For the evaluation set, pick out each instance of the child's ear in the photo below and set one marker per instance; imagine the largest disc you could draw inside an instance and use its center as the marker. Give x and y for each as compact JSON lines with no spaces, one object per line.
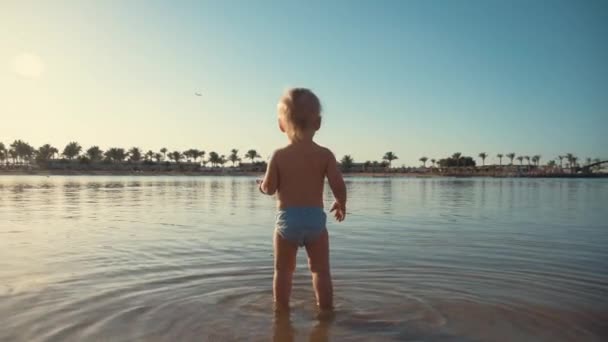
{"x":281,"y":126}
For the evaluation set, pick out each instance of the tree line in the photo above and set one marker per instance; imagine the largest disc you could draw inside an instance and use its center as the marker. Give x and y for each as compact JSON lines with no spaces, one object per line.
{"x":458,"y":160}
{"x":20,"y":152}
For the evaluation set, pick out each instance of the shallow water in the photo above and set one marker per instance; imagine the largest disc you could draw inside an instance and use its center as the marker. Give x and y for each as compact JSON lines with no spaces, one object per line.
{"x":190,"y":258}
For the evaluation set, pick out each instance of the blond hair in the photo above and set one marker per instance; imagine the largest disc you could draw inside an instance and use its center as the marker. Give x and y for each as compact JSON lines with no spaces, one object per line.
{"x":300,"y":110}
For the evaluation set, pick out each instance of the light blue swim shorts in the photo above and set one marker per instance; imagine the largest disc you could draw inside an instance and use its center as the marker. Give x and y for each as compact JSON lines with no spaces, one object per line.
{"x":301,"y":225}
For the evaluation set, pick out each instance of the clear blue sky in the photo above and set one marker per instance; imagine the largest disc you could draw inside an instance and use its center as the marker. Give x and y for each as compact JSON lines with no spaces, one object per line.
{"x":419,"y":78}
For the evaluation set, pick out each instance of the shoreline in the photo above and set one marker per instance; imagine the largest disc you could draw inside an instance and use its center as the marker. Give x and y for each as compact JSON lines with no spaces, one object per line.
{"x":260,"y":174}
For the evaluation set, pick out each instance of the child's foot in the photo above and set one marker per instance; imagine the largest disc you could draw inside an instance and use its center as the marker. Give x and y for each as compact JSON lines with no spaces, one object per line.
{"x":326,"y":315}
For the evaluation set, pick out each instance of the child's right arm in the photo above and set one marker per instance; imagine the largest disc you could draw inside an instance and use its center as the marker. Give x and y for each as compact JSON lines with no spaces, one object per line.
{"x":336,"y":183}
{"x":270,"y":184}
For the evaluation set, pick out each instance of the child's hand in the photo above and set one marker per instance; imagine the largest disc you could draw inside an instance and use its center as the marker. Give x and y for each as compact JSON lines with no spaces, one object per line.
{"x":259,"y":183}
{"x":340,"y":211}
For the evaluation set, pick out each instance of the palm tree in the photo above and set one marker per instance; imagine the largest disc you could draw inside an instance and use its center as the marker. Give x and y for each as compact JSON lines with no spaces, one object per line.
{"x":135,"y":154}
{"x":423,"y":160}
{"x":195,"y":154}
{"x":191,"y":154}
{"x":570,"y":158}
{"x":158,"y":157}
{"x":561,"y":159}
{"x":13,"y":155}
{"x":521,"y":159}
{"x":21,"y":150}
{"x":176,"y":156}
{"x":389,"y":157}
{"x":72,"y":150}
{"x":115,"y":154}
{"x":16,"y":151}
{"x":201,"y":154}
{"x":588,"y":161}
{"x":234,"y":157}
{"x":46,"y":153}
{"x":536,"y":159}
{"x":527,"y":158}
{"x":456,"y":156}
{"x":28,"y":152}
{"x":511,"y":156}
{"x":251,"y":154}
{"x":164,"y":152}
{"x":214,"y":158}
{"x":433,"y":161}
{"x":222,"y":160}
{"x":94,"y":153}
{"x":187,"y":154}
{"x":347,"y":162}
{"x":3,"y":155}
{"x":499,"y":156}
{"x":483,"y":157}
{"x":150,"y":155}
{"x":551,"y":163}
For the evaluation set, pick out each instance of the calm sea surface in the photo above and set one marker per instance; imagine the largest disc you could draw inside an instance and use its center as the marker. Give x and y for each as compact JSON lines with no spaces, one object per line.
{"x":190,"y":258}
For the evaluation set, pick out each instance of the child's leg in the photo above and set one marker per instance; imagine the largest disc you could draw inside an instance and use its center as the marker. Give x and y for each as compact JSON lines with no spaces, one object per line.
{"x":284,"y":265}
{"x":318,"y":262}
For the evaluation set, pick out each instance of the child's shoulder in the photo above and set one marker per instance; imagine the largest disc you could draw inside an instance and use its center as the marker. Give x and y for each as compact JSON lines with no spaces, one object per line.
{"x":326,"y":152}
{"x":291,"y":150}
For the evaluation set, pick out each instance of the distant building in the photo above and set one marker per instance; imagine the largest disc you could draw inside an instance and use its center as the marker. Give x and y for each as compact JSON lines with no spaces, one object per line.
{"x":364,"y":167}
{"x":252,"y":167}
{"x":78,"y":165}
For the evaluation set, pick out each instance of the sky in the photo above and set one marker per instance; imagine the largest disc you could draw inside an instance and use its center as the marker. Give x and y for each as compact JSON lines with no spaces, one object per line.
{"x":418,"y":78}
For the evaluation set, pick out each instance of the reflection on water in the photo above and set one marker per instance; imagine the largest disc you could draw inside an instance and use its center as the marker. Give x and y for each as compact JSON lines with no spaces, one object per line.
{"x":284,"y":331}
{"x":190,"y":258}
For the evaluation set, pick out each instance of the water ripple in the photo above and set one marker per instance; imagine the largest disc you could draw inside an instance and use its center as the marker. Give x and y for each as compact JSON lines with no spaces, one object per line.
{"x":190,"y":258}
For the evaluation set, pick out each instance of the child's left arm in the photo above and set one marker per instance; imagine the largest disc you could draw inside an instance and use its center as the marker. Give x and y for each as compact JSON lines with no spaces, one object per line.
{"x":270,"y":184}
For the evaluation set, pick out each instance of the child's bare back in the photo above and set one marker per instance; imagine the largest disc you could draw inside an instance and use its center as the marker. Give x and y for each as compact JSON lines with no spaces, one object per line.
{"x":296,"y":173}
{"x":301,"y":169}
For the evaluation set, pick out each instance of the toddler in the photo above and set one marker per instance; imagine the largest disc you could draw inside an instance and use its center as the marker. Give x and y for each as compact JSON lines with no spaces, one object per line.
{"x":296,"y":173}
